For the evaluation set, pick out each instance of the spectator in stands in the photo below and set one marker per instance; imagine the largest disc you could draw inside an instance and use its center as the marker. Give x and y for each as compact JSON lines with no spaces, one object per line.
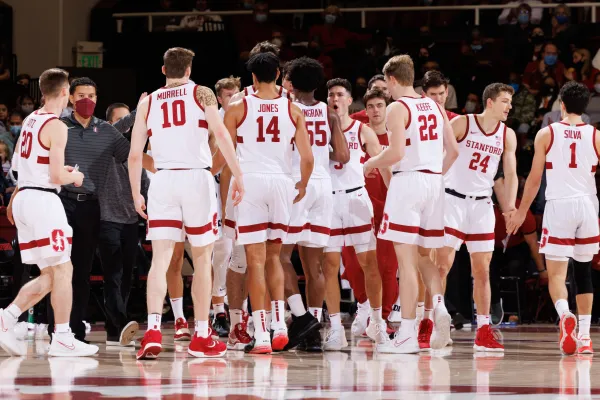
{"x":378,"y":81}
{"x":23,"y":80}
{"x":5,"y":157}
{"x":331,"y":34}
{"x":593,"y":109}
{"x":523,"y":109}
{"x":3,"y":116}
{"x":518,"y":38}
{"x":472,"y":105}
{"x":279,"y":39}
{"x":27,"y":105}
{"x":510,"y":15}
{"x":548,"y":66}
{"x":582,"y":70}
{"x":547,"y":95}
{"x":564,"y":33}
{"x":256,"y":29}
{"x":537,"y":40}
{"x":360,"y":88}
{"x":15,"y":122}
{"x":162,"y":24}
{"x":202,"y":23}
{"x":315,"y":51}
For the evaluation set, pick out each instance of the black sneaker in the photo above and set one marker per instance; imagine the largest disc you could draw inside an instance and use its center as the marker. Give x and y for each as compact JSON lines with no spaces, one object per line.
{"x":497,"y":313}
{"x":300,"y":328}
{"x":312,"y":342}
{"x":459,"y":321}
{"x":221,"y":325}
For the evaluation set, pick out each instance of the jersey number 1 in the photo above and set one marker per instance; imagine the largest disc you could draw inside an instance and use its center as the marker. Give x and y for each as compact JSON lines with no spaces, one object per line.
{"x":573,"y":163}
{"x":178,"y":107}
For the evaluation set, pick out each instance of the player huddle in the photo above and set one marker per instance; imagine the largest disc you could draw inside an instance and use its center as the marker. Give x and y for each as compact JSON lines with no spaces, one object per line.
{"x":294,"y":171}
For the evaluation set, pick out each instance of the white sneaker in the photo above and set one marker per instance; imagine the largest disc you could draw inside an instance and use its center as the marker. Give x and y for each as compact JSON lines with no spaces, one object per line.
{"x":359,"y":325}
{"x":21,"y":330}
{"x":8,"y":338}
{"x":377,"y":332}
{"x":450,"y":342}
{"x":402,"y":343}
{"x":335,"y":340}
{"x":65,"y":345}
{"x":41,"y":331}
{"x":441,"y":327}
{"x":128,"y":333}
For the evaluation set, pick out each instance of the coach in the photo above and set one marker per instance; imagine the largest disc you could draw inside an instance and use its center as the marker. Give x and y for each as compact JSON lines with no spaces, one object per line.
{"x":93,"y":145}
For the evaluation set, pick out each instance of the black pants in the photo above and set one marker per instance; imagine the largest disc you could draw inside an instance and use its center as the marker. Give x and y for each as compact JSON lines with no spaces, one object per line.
{"x":513,"y":262}
{"x":118,"y":249}
{"x":84,"y":218}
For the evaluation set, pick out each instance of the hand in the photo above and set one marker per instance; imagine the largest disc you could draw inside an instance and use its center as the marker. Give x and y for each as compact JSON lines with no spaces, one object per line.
{"x":237,"y":190}
{"x":301,"y":188}
{"x":9,"y":213}
{"x":515,"y":220}
{"x":68,"y":168}
{"x":369,"y":171}
{"x":142,"y":97}
{"x":140,"y":205}
{"x":543,"y":277}
{"x":542,"y":66}
{"x":78,"y":178}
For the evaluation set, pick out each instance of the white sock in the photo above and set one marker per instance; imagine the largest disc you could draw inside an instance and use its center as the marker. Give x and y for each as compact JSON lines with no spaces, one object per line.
{"x":202,"y":329}
{"x":14,"y":311}
{"x":316,"y":312}
{"x":562,"y":307}
{"x":219,"y":308}
{"x":438,"y":299}
{"x":336,"y":321}
{"x":376,"y":315}
{"x":236,"y":318}
{"x":269,"y":319}
{"x":482,"y":320}
{"x":261,"y":328}
{"x":296,"y":305}
{"x":245,"y":305}
{"x":584,"y":325}
{"x":62,"y":328}
{"x":278,"y":314}
{"x":154,"y":321}
{"x":177,"y":306}
{"x":427,"y":313}
{"x":420,"y":310}
{"x":407,"y":326}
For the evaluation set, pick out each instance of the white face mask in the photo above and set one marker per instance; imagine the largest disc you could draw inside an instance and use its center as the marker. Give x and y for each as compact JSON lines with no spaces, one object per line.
{"x":277,"y":42}
{"x":470,"y":106}
{"x":27,"y":109}
{"x":597,"y":87}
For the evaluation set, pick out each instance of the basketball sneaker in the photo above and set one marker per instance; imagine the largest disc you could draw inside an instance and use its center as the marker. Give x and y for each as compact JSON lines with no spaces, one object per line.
{"x":487,"y":340}
{"x":21,"y":330}
{"x":335,"y":340}
{"x":238,"y":337}
{"x":128,"y":333}
{"x":567,"y":340}
{"x":8,"y":338}
{"x":402,"y":343}
{"x":206,"y":347}
{"x":65,"y":345}
{"x":259,"y":347}
{"x":424,"y":335}
{"x":182,"y":332}
{"x":360,"y":323}
{"x":312,"y":343}
{"x":377,"y":332}
{"x":221,"y":325}
{"x":584,"y":345}
{"x":151,"y":345}
{"x":300,"y":327}
{"x":41,"y":331}
{"x":280,"y":339}
{"x":441,"y":327}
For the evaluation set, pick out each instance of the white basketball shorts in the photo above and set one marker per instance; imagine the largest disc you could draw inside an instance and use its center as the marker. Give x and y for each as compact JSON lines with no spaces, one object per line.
{"x":570,"y":227}
{"x":183,"y":203}
{"x":220,"y":262}
{"x":265,"y":211}
{"x":310,"y":224}
{"x":44,"y":233}
{"x":414,"y":210}
{"x":469,"y":221}
{"x":352,"y":219}
{"x":238,"y":260}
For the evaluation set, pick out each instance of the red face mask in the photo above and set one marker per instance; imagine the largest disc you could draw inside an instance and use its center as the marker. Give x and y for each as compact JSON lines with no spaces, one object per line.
{"x":85,"y":107}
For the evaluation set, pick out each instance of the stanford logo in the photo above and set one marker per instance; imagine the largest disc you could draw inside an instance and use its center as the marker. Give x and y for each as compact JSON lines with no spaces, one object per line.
{"x":57,"y":240}
{"x":544,"y":238}
{"x":215,"y":224}
{"x":384,"y":224}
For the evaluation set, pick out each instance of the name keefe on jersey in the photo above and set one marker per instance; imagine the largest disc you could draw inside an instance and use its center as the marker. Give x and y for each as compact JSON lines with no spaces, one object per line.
{"x":484,"y":147}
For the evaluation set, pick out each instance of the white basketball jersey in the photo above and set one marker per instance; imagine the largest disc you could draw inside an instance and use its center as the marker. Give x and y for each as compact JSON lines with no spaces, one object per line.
{"x":350,"y":175}
{"x":264,"y":137}
{"x":33,"y":157}
{"x":319,"y":133}
{"x":178,"y":129}
{"x":479,"y":155}
{"x":249,"y":90}
{"x":424,"y":136}
{"x":571,"y":161}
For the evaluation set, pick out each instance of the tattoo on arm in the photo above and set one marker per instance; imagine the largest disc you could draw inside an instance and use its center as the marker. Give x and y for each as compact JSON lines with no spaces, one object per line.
{"x":205,"y":96}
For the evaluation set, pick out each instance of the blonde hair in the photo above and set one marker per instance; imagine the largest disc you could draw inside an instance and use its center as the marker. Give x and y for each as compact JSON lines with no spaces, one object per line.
{"x":5,"y":147}
{"x":402,"y":68}
{"x":587,"y":67}
{"x":228,"y":83}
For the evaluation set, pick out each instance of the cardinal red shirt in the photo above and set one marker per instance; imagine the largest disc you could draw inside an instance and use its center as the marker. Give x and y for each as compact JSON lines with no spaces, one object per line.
{"x":529,"y":226}
{"x":376,"y":187}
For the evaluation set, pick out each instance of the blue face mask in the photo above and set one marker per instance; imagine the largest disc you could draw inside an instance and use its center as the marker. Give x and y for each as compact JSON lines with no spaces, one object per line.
{"x":476,"y":47}
{"x":550,"y":59}
{"x":260,"y":18}
{"x":523,"y":18}
{"x":562,"y":19}
{"x":330,"y":18}
{"x":515,"y":87}
{"x":15,"y":130}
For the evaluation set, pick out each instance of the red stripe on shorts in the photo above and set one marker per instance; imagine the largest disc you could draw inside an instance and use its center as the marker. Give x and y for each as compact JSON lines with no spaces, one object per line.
{"x":165,"y":223}
{"x":336,"y":232}
{"x":480,"y":237}
{"x":309,"y":227}
{"x":358,"y":229}
{"x":561,"y":241}
{"x":455,"y":233}
{"x":262,"y":227}
{"x":229,"y":223}
{"x":38,"y":243}
{"x":417,"y":230}
{"x":588,"y":240}
{"x":320,"y":229}
{"x":198,"y":230}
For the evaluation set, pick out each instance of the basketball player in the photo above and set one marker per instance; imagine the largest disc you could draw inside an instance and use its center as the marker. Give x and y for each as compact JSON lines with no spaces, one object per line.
{"x":352,"y":222}
{"x":42,"y":227}
{"x":469,"y":216}
{"x":181,"y":199}
{"x":414,"y":219}
{"x":376,"y":82}
{"x":435,"y":86}
{"x":310,"y":222}
{"x":375,"y":101}
{"x":263,"y":124}
{"x":569,"y":151}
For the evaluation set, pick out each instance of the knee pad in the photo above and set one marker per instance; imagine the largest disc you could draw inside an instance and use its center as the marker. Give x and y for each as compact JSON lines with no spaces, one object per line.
{"x":556,"y":258}
{"x":583,"y":277}
{"x":238,"y":260}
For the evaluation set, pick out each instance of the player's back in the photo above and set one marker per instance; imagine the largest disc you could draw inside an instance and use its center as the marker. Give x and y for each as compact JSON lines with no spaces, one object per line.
{"x":264,"y":136}
{"x":249,"y":90}
{"x":350,"y":175}
{"x":571,"y":161}
{"x":319,"y":133}
{"x":33,"y":156}
{"x":178,"y":129}
{"x":424,"y":136}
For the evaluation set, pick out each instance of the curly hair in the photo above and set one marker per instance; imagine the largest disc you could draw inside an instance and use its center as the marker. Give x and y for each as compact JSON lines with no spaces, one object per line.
{"x":306,"y":74}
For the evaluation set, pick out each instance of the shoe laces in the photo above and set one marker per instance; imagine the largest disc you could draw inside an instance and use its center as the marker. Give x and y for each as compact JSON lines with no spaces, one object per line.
{"x":425,"y":330}
{"x":332,"y":335}
{"x":490,"y":334}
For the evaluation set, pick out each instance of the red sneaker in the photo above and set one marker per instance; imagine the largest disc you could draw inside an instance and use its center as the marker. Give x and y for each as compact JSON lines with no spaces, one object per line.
{"x":425,"y":331}
{"x":151,"y":345}
{"x":206,"y":347}
{"x":567,"y":340}
{"x":182,"y":332}
{"x":258,"y":348}
{"x":584,"y":345}
{"x":280,"y":340}
{"x":487,"y":340}
{"x":238,"y":338}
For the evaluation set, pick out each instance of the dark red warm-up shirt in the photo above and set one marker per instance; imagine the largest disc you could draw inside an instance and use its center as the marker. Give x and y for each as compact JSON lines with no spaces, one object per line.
{"x":529,"y":226}
{"x":376,"y":187}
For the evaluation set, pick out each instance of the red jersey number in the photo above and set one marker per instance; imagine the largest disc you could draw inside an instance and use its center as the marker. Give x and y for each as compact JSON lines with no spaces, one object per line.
{"x":428,"y":125}
{"x":478,"y":162}
{"x":317,"y":131}
{"x":272,"y":129}
{"x":178,"y":111}
{"x":26,"y":144}
{"x":573,"y":163}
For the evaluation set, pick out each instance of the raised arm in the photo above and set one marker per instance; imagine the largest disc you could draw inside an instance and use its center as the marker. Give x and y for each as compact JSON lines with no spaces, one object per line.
{"x":340,"y":153}
{"x":509,"y":164}
{"x":302,"y":142}
{"x":139,"y":136}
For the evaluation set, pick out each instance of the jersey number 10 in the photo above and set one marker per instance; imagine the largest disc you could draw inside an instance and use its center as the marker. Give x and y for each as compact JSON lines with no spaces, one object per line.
{"x":178,"y":107}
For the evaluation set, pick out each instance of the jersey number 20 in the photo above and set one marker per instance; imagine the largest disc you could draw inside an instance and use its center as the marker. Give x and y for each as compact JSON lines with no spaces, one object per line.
{"x":26,"y":144}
